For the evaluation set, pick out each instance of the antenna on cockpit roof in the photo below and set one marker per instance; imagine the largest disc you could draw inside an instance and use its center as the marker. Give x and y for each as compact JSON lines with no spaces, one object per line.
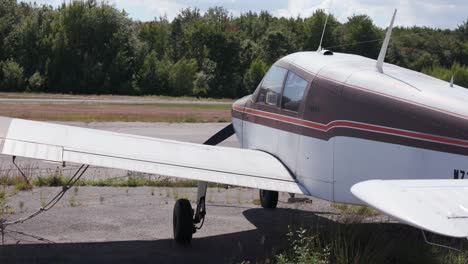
{"x":451,"y":82}
{"x":323,"y":33}
{"x":384,"y":48}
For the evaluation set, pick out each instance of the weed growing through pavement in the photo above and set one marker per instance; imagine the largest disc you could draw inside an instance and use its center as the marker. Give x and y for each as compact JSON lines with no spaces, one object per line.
{"x":41,"y":198}
{"x":21,"y":206}
{"x":72,"y":202}
{"x":227,"y":197}
{"x":256,"y":202}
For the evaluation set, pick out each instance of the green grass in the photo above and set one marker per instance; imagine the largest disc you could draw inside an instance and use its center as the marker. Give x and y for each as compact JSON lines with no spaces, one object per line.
{"x":360,"y":210}
{"x":18,"y":182}
{"x":4,"y":207}
{"x":72,"y":202}
{"x":180,"y":105}
{"x":28,"y":95}
{"x":98,"y":117}
{"x":335,"y":242}
{"x":131,"y":181}
{"x":256,"y":202}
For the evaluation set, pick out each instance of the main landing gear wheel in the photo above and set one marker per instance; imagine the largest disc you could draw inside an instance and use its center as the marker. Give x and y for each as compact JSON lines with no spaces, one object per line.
{"x":184,"y":217}
{"x":183,"y":221}
{"x":268,"y":199}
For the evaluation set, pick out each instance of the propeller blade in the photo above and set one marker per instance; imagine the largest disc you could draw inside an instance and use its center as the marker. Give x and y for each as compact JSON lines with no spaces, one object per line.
{"x":222,"y":135}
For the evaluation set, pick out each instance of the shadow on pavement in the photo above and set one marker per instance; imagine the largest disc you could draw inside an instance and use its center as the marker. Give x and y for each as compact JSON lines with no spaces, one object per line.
{"x":254,"y":245}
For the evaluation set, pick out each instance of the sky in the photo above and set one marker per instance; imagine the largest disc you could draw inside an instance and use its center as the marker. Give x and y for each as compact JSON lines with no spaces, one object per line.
{"x":432,"y":13}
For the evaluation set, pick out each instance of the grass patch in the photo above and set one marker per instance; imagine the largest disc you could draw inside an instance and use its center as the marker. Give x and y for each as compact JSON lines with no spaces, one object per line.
{"x":56,"y":180}
{"x":138,"y":182}
{"x":343,"y":243}
{"x":7,"y":209}
{"x":178,"y":105}
{"x":360,"y":210}
{"x":4,"y":207}
{"x":51,"y":181}
{"x":223,"y":120}
{"x":27,"y":95}
{"x":97,"y":117}
{"x":104,"y":112}
{"x":17,"y":181}
{"x":72,"y":202}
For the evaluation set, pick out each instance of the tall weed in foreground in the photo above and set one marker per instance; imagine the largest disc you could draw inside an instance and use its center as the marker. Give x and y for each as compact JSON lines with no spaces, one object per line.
{"x":304,"y":248}
{"x":351,"y":240}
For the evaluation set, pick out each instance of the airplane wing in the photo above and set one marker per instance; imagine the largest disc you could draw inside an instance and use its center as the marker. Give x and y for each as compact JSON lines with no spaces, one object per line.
{"x":439,"y":206}
{"x":60,"y":143}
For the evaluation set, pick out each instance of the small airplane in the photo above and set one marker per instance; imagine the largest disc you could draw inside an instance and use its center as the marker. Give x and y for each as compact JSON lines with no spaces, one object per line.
{"x":339,"y":127}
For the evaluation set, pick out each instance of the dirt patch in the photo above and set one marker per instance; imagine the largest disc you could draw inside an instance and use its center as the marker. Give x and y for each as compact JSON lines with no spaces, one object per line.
{"x":107,"y":112}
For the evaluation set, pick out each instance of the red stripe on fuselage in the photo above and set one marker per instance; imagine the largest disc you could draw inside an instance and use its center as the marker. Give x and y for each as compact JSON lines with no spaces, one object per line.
{"x":352,"y":125}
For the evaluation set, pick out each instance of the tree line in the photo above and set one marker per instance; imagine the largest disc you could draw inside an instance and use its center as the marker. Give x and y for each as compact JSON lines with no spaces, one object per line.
{"x":90,"y":47}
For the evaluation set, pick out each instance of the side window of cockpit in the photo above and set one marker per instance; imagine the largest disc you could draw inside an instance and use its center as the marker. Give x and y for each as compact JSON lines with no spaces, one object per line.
{"x":293,"y":92}
{"x":270,"y":89}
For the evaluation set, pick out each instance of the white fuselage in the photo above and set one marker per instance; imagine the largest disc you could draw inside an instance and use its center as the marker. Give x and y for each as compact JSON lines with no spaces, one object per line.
{"x":328,"y":168}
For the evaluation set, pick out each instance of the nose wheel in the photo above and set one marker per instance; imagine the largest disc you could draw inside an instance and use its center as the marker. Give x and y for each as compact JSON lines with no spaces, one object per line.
{"x":268,"y":199}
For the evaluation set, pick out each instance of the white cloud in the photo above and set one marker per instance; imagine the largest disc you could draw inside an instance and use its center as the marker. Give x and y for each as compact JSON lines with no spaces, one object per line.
{"x":149,"y":9}
{"x":302,"y":8}
{"x":433,"y":13}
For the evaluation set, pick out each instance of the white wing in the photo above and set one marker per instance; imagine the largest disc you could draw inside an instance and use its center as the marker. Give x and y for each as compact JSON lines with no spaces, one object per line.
{"x":440,"y":206}
{"x":52,"y":142}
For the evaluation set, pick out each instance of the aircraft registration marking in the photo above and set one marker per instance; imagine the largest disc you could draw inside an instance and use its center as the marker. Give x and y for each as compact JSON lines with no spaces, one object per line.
{"x":459,"y":174}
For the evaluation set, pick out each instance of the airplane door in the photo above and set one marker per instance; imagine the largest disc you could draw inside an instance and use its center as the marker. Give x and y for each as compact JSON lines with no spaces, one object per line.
{"x":315,"y":149}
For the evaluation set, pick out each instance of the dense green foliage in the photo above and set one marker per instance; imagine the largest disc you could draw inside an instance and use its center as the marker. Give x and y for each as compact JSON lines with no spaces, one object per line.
{"x":88,"y":47}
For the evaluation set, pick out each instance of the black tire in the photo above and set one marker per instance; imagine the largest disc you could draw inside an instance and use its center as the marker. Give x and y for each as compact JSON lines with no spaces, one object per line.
{"x":182,"y":221}
{"x":268,"y":199}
